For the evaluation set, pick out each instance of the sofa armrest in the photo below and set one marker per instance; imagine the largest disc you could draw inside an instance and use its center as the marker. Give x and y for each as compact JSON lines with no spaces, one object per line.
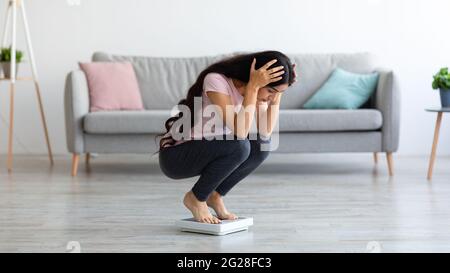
{"x":387,"y":100}
{"x":76,"y":106}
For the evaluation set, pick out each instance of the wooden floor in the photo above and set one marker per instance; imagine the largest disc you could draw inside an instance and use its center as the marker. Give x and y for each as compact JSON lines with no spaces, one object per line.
{"x":300,"y":203}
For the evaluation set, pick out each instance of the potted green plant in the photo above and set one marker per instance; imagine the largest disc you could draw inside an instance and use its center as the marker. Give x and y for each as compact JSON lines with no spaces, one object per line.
{"x":5,"y":60}
{"x":442,"y":82}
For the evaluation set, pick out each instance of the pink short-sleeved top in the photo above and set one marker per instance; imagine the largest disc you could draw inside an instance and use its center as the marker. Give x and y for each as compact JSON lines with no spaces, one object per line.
{"x":214,"y":82}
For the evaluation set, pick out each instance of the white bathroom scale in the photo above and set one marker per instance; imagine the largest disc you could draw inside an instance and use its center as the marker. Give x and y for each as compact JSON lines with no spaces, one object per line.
{"x":226,"y":227}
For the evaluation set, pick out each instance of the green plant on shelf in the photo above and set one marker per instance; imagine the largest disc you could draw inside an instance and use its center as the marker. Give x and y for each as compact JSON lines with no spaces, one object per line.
{"x":5,"y":55}
{"x":442,"y":79}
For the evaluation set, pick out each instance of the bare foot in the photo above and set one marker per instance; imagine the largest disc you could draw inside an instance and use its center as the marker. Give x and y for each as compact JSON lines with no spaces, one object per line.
{"x":215,"y":201}
{"x":199,"y":209}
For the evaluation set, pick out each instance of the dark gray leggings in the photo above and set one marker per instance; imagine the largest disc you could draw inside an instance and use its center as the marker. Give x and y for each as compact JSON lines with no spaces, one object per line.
{"x":221,"y":164}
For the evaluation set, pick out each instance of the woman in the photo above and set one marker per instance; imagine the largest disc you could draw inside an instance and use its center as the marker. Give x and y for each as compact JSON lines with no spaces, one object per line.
{"x":249,"y":83}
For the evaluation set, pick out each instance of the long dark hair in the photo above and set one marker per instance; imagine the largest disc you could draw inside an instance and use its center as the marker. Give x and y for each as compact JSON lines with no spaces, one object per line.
{"x":235,"y":67}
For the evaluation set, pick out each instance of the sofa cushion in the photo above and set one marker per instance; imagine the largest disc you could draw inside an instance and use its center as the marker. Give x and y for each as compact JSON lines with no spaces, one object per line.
{"x":344,"y":90}
{"x":330,"y":120}
{"x":126,"y":122}
{"x":152,"y":121}
{"x":112,"y":86}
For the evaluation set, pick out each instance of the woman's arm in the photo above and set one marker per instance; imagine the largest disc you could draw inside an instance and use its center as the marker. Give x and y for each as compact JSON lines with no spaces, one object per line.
{"x":271,"y":111}
{"x":270,"y":114}
{"x":241,"y":122}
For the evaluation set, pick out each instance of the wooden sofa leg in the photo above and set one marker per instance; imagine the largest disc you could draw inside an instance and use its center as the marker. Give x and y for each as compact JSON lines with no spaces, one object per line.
{"x":390,"y":162}
{"x":75,"y":160}
{"x":88,"y":161}
{"x":375,"y":158}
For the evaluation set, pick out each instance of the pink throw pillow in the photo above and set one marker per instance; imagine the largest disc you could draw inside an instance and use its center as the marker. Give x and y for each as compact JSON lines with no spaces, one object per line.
{"x":112,"y":86}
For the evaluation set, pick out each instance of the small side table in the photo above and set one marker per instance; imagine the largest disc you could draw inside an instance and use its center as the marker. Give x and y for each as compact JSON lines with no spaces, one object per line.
{"x":440,"y":112}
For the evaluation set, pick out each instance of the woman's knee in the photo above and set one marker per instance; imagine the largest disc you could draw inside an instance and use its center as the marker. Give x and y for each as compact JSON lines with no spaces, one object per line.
{"x":261,"y":155}
{"x":241,"y":149}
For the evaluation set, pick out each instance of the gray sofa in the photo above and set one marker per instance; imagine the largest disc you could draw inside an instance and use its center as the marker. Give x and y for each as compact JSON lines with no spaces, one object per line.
{"x":164,"y":81}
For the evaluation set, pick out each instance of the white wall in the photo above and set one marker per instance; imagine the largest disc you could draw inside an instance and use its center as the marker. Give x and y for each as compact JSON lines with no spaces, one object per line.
{"x":409,"y":36}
